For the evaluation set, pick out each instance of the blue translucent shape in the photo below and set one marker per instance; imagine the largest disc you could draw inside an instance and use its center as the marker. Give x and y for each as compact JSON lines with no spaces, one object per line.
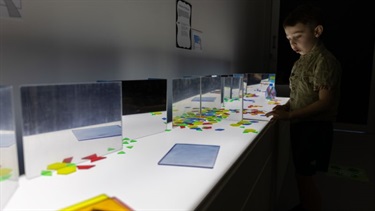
{"x":204,"y":99}
{"x":191,"y":155}
{"x":97,"y":132}
{"x":7,"y":140}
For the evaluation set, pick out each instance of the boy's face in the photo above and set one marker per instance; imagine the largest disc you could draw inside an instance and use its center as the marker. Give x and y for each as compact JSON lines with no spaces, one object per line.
{"x":301,"y":38}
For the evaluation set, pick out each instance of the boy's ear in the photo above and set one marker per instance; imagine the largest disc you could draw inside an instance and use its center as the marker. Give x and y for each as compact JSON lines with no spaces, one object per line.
{"x":318,"y":31}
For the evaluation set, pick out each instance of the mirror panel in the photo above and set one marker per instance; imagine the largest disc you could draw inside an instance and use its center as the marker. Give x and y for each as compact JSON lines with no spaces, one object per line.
{"x":65,"y":123}
{"x":144,"y":107}
{"x":9,"y":170}
{"x":255,"y":102}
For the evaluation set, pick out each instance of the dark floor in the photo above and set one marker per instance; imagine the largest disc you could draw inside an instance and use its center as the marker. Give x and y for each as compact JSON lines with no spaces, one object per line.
{"x":341,"y":190}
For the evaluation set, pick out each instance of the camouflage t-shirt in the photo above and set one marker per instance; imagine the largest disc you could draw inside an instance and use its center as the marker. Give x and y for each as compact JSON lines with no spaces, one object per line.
{"x":311,"y":72}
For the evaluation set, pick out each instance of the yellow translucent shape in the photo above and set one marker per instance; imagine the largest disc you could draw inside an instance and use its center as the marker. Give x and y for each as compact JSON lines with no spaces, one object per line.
{"x":67,"y":170}
{"x":5,"y":171}
{"x":56,"y":166}
{"x":86,"y":203}
{"x":107,"y":204}
{"x":250,"y":130}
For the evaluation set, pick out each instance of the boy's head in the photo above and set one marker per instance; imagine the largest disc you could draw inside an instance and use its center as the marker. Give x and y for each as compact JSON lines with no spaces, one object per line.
{"x":305,"y":14}
{"x":303,"y":26}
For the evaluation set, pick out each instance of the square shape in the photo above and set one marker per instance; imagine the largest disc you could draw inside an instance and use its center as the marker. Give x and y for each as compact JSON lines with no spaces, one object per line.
{"x":204,"y":99}
{"x":191,"y":155}
{"x":97,"y":132}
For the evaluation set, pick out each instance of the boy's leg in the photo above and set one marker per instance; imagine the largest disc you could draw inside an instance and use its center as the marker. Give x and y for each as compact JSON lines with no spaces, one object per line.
{"x":311,"y":146}
{"x":309,"y":193}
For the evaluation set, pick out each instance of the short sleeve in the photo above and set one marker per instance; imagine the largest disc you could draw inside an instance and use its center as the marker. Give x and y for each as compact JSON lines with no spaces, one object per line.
{"x":327,"y":74}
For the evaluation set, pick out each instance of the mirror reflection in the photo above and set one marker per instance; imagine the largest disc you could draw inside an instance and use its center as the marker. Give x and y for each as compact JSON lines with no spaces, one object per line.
{"x":211,"y":97}
{"x":144,"y":107}
{"x":9,"y":170}
{"x":69,"y":122}
{"x":185,"y":98}
{"x":255,"y":103}
{"x":258,"y":82}
{"x":232,"y":94}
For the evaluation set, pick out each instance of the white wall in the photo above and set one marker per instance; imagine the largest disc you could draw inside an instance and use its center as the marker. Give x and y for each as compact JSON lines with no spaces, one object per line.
{"x":87,"y":40}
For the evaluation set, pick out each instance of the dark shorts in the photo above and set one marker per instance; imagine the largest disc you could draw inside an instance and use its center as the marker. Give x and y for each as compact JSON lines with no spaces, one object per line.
{"x":311,"y":146}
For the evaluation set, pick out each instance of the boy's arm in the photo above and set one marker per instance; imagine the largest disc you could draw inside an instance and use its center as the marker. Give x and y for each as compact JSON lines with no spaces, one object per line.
{"x":325,"y":102}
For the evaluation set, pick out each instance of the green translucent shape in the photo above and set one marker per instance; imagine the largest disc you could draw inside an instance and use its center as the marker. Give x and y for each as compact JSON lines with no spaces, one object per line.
{"x":125,"y":142}
{"x":132,"y":141}
{"x":126,"y":139}
{"x":121,"y":152}
{"x":129,"y":147}
{"x":5,"y":177}
{"x":110,"y":149}
{"x":250,"y":131}
{"x":168,"y":130}
{"x":46,"y":173}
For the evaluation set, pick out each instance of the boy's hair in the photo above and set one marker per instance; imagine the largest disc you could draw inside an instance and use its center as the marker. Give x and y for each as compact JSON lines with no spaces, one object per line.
{"x":306,"y":14}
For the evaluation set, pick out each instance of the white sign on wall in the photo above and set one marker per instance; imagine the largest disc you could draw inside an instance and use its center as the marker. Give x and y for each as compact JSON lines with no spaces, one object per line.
{"x":183,"y":24}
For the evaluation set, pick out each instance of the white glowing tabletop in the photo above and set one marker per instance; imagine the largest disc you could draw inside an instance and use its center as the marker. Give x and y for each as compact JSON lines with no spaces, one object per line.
{"x":135,"y":176}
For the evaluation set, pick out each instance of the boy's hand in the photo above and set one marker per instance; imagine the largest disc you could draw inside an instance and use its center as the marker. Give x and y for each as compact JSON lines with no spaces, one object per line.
{"x":279,"y":112}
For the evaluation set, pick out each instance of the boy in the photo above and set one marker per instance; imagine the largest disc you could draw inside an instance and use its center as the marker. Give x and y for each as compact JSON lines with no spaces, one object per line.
{"x":314,"y":83}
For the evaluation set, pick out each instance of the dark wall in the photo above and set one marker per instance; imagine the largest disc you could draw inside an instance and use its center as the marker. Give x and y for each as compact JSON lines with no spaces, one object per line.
{"x":349,"y":32}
